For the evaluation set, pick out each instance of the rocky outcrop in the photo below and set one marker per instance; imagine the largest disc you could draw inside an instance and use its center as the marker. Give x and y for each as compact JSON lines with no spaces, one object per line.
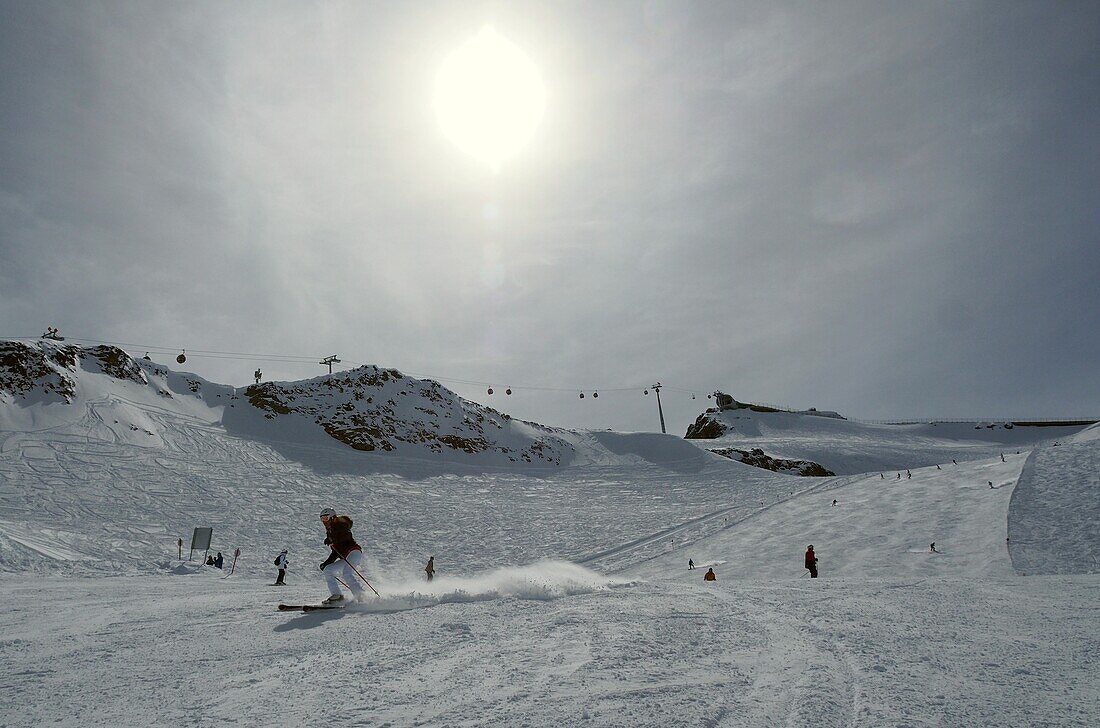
{"x":27,"y":369}
{"x":48,"y":369}
{"x":705,"y":427}
{"x":371,"y":409}
{"x":759,"y":459}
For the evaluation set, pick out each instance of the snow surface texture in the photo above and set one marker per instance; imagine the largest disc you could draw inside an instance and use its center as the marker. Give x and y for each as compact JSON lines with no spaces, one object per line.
{"x":562,"y":595}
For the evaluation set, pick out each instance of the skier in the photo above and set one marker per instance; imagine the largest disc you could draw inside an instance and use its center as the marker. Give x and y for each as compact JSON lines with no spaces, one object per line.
{"x":710,"y":575}
{"x":953,"y":461}
{"x":281,"y":563}
{"x":811,"y":561}
{"x":932,"y":548}
{"x":937,"y":467}
{"x":1002,"y":457}
{"x":209,"y":560}
{"x":218,"y":561}
{"x":908,"y":474}
{"x":257,"y":374}
{"x":430,"y":568}
{"x":899,"y":476}
{"x":882,"y":476}
{"x":991,"y":485}
{"x":691,"y":564}
{"x":344,"y":549}
{"x":834,"y":501}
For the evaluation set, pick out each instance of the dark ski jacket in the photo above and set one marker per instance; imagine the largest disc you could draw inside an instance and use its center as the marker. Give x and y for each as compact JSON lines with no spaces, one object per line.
{"x":811,"y":559}
{"x":339,"y":538}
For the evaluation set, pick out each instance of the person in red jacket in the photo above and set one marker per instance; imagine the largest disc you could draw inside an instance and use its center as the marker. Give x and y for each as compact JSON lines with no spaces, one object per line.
{"x":345,"y":555}
{"x":811,"y":561}
{"x":710,"y":576}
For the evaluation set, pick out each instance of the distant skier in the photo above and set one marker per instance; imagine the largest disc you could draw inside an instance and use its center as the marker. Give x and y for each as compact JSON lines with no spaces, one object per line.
{"x":691,"y":564}
{"x":899,"y":476}
{"x":953,"y":461}
{"x":882,"y":476}
{"x":209,"y":560}
{"x":834,"y":501}
{"x":257,"y":374}
{"x":218,"y":560}
{"x":991,"y":485}
{"x":932,"y":548}
{"x":908,"y":475}
{"x":1002,"y":457}
{"x":811,"y":561}
{"x":281,"y":564}
{"x":710,"y":575}
{"x":430,"y":568}
{"x":345,"y":550}
{"x":937,"y":467}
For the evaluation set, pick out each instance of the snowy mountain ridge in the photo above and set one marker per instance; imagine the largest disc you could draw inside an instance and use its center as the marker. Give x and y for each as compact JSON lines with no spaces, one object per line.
{"x":50,"y":383}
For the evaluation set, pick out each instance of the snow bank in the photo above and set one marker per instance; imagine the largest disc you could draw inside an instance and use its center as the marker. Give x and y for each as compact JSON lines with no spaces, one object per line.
{"x":1054,"y":515}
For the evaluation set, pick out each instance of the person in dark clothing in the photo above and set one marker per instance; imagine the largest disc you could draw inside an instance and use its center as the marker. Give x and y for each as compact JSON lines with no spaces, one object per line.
{"x":811,"y":561}
{"x":908,"y":474}
{"x":281,"y":564}
{"x":430,"y":568}
{"x":834,"y":501}
{"x":345,"y":553}
{"x":932,"y":548}
{"x":218,"y":561}
{"x":209,"y":560}
{"x":691,"y":564}
{"x":710,"y":575}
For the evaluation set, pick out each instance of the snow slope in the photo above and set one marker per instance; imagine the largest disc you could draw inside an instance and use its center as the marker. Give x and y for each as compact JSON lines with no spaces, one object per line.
{"x":562,"y":595}
{"x":1054,"y":517}
{"x":847,"y":447}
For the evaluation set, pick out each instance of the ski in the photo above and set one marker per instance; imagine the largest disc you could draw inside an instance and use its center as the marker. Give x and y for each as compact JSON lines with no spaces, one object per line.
{"x":308,"y":607}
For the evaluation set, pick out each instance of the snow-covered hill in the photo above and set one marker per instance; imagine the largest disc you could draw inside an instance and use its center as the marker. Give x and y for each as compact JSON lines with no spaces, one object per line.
{"x":105,"y":461}
{"x":846,"y":447}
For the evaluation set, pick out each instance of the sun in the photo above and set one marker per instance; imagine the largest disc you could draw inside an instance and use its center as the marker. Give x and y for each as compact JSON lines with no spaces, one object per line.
{"x":489,"y":98}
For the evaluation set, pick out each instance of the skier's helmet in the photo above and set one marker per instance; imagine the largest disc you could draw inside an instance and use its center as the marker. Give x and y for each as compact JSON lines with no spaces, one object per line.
{"x":328,"y":513}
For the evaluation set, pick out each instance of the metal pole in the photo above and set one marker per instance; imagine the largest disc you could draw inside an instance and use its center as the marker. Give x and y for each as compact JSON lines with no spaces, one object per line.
{"x":359,"y":575}
{"x":660,"y":411}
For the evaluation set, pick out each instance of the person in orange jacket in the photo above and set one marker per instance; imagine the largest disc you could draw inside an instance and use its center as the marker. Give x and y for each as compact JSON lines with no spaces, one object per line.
{"x":811,"y":561}
{"x":710,"y":576}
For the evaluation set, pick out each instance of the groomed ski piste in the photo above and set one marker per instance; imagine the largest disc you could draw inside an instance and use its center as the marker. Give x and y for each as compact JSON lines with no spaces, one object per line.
{"x":562,"y":594}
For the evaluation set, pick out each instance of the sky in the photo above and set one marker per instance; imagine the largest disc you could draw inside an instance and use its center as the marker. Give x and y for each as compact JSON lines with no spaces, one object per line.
{"x":889,"y":209}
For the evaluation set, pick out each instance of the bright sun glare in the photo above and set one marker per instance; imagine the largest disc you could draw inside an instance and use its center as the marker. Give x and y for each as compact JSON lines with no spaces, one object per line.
{"x":489,"y":98}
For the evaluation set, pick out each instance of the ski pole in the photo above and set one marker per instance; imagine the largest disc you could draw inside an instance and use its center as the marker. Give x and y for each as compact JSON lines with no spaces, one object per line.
{"x":359,"y":575}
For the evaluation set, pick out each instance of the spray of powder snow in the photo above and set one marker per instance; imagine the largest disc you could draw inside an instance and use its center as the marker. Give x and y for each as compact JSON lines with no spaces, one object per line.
{"x":542,"y":580}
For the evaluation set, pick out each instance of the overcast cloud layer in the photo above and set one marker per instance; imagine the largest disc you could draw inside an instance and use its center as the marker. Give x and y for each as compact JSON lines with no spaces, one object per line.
{"x":887,"y":209}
